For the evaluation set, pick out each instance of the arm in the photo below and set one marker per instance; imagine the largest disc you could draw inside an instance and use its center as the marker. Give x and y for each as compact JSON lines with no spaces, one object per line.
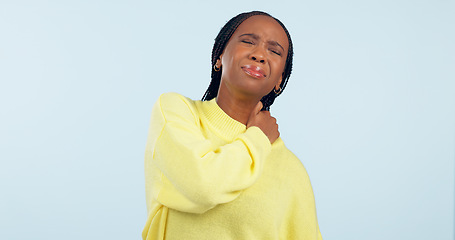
{"x":190,"y":173}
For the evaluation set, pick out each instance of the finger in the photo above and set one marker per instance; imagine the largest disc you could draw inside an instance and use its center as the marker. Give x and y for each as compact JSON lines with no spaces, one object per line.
{"x":258,"y":107}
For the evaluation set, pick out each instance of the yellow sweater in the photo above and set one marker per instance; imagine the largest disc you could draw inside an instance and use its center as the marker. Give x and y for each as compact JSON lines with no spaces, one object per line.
{"x":209,"y":177}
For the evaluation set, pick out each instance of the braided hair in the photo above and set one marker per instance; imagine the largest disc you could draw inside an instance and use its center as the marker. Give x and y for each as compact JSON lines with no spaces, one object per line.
{"x":221,"y":41}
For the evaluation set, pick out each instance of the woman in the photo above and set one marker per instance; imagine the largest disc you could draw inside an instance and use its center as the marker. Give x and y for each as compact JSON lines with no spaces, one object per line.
{"x":217,"y":169}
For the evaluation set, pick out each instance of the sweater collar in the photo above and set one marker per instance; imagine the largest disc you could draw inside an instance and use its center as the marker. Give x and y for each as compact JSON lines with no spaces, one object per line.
{"x":220,"y":121}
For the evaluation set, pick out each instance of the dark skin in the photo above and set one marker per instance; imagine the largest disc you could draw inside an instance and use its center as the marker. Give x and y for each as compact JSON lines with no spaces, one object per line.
{"x":252,"y":65}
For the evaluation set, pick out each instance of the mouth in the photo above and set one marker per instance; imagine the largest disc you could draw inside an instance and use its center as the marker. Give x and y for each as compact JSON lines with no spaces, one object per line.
{"x":254,"y":71}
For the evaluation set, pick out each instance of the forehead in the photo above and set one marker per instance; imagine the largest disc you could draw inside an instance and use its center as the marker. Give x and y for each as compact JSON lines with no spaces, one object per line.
{"x":265,"y":27}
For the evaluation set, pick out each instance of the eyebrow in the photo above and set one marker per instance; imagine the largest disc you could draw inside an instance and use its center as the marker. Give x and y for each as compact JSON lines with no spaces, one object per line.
{"x":256,"y":37}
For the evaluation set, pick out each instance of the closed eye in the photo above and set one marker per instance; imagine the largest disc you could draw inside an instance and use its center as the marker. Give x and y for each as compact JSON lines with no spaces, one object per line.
{"x":247,"y":42}
{"x":277,"y":53}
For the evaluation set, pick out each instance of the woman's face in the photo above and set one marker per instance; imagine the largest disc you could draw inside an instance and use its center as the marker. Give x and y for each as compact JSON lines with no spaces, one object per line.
{"x":254,"y":58}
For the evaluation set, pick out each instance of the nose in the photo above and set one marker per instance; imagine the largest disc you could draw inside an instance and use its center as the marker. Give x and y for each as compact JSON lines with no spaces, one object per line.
{"x":258,"y":56}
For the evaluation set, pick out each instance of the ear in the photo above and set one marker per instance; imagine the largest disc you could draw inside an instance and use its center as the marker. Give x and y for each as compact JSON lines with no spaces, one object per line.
{"x":277,"y":86}
{"x":218,"y":61}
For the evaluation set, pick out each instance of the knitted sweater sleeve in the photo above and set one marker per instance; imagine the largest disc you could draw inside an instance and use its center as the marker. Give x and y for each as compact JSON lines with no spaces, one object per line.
{"x":186,"y":171}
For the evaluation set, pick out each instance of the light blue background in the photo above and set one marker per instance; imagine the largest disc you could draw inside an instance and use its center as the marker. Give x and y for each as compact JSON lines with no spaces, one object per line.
{"x":369,"y":109}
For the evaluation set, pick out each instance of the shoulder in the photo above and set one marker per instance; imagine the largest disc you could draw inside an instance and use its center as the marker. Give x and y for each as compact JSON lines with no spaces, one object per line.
{"x":282,"y":150}
{"x":171,"y":105}
{"x":172,"y":99}
{"x":290,"y":162}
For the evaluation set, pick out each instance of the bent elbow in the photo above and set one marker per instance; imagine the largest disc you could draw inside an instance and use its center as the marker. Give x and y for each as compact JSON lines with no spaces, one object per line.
{"x":210,"y":196}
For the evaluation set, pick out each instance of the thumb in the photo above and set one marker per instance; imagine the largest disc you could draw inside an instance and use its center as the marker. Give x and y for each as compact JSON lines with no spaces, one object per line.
{"x":258,"y":108}
{"x":255,"y":112}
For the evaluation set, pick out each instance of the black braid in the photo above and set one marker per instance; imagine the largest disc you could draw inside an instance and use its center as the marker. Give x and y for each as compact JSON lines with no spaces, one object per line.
{"x":220,"y":43}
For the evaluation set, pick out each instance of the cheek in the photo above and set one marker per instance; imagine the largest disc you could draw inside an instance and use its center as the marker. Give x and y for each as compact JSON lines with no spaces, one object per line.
{"x":227,"y":56}
{"x":278,"y":68}
{"x":226,"y":62}
{"x":233,"y":54}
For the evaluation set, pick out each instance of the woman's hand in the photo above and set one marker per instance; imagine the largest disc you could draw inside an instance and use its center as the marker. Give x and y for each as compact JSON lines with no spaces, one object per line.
{"x":264,"y":121}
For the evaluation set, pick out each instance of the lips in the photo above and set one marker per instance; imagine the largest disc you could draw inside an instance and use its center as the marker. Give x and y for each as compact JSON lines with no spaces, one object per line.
{"x":254,"y":71}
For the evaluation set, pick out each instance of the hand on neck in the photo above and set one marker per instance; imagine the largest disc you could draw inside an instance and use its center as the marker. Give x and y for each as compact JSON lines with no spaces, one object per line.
{"x":237,"y":106}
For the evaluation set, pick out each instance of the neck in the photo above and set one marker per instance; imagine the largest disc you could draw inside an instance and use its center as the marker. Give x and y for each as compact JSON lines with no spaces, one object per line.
{"x":236,"y":106}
